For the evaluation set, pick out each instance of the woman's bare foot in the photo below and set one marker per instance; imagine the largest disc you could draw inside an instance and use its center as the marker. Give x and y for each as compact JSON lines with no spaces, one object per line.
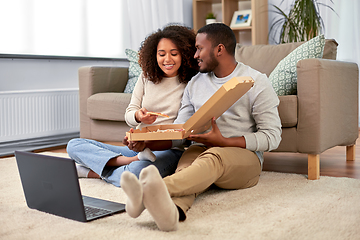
{"x":92,"y":174}
{"x":121,"y":161}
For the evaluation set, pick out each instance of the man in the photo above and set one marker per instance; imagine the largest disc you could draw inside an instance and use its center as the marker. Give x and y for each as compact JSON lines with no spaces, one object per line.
{"x":230,"y":155}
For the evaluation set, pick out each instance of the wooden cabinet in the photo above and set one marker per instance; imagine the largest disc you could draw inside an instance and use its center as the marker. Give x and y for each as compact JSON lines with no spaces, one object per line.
{"x":259,"y":23}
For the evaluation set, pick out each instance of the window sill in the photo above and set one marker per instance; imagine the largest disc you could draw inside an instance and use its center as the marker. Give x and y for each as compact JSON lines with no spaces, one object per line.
{"x":30,"y":56}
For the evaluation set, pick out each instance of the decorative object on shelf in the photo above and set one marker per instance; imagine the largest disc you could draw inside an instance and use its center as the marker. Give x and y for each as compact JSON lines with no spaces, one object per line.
{"x":241,"y":18}
{"x":210,"y":18}
{"x":301,"y":24}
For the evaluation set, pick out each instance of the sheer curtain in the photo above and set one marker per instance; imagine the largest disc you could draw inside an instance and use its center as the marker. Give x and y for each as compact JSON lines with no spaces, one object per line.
{"x":344,"y":27}
{"x":146,"y":16}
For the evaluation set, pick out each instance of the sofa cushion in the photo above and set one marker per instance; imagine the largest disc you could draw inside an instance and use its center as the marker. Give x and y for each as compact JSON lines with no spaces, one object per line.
{"x":330,"y":49}
{"x":134,"y":69}
{"x":264,"y":58}
{"x":288,"y":111}
{"x":284,"y":76}
{"x":108,"y":106}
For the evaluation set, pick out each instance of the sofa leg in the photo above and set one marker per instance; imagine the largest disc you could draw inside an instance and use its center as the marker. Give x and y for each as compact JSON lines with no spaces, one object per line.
{"x":313,"y":166}
{"x":350,"y":153}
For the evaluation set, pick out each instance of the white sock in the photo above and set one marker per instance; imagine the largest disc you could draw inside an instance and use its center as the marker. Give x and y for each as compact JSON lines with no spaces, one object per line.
{"x":147,"y":154}
{"x":157,"y":200}
{"x":133,"y":189}
{"x":82,"y":171}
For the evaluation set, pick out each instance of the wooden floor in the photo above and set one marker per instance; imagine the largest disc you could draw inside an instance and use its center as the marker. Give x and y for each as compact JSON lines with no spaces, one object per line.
{"x":332,"y":162}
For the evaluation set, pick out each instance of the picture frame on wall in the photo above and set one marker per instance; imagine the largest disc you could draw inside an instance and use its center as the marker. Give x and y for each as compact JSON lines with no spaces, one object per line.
{"x":241,"y":18}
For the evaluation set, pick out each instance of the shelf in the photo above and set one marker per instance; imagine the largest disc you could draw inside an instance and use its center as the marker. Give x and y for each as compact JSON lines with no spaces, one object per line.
{"x":242,"y":28}
{"x":259,"y":24}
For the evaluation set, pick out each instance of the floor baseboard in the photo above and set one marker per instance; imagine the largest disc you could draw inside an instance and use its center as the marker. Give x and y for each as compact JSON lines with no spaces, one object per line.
{"x":8,"y":148}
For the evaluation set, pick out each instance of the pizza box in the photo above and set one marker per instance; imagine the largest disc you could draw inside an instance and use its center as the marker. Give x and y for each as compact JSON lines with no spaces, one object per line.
{"x":200,"y":121}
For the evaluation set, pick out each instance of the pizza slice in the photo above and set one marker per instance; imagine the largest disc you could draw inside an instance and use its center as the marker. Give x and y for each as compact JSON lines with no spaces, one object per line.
{"x":158,"y":114}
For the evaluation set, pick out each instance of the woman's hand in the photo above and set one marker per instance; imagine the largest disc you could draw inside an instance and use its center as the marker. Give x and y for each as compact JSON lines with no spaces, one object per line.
{"x":125,"y":141}
{"x":142,"y":116}
{"x":135,"y":146}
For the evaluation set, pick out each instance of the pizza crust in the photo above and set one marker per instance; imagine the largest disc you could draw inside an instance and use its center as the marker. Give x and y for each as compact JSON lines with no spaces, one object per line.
{"x":158,"y":114}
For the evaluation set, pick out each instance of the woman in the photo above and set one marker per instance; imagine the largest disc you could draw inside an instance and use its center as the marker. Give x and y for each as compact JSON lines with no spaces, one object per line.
{"x":167,"y":60}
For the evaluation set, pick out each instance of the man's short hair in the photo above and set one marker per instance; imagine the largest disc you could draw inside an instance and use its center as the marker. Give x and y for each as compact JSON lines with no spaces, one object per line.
{"x":219,"y":33}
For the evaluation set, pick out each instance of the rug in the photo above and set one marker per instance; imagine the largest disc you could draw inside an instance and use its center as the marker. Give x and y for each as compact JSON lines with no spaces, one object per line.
{"x":280,"y":206}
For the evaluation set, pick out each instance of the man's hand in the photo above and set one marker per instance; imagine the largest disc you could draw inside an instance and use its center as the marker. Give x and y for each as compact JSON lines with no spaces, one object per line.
{"x":135,"y":146}
{"x":142,"y":116}
{"x":214,"y":138}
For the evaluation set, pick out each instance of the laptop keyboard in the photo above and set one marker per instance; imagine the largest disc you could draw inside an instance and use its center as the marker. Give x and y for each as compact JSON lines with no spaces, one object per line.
{"x":92,"y":212}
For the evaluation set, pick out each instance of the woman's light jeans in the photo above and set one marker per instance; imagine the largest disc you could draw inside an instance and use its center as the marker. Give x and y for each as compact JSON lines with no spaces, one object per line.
{"x":95,"y":155}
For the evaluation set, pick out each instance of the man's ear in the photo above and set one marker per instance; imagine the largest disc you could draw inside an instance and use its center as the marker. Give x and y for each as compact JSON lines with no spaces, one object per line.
{"x":220,"y":49}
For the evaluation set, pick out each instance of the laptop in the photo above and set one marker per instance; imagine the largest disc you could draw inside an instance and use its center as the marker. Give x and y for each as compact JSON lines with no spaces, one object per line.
{"x":51,"y":185}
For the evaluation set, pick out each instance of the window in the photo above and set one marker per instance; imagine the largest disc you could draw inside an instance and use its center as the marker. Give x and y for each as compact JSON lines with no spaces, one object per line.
{"x":88,"y":28}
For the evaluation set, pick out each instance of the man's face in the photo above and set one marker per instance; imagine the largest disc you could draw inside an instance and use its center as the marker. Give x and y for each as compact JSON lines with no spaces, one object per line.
{"x":205,"y":54}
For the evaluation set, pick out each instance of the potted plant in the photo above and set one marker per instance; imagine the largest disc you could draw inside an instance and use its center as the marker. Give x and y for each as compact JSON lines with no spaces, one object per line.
{"x":301,"y":24}
{"x":210,"y":18}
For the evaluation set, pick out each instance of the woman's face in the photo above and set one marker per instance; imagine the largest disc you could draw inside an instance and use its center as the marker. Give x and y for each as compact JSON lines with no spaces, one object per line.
{"x":168,"y":57}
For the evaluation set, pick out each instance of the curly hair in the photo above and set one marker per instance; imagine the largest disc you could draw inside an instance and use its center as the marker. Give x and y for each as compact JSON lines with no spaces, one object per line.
{"x":184,"y":39}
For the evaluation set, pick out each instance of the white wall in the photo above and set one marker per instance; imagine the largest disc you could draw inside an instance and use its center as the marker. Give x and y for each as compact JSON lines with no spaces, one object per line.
{"x":38,"y":74}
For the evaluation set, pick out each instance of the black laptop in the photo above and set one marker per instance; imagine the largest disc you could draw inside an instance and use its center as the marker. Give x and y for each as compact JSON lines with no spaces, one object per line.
{"x":51,"y":185}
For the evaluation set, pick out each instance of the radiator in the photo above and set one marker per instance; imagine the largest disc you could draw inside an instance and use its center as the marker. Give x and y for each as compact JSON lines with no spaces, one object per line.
{"x":34,"y":114}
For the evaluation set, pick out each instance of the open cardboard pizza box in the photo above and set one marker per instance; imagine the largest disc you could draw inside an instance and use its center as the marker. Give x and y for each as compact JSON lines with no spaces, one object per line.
{"x":200,"y":121}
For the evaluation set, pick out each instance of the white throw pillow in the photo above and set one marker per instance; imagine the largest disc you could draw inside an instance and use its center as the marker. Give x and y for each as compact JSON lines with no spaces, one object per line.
{"x":284,"y":77}
{"x":134,"y":70}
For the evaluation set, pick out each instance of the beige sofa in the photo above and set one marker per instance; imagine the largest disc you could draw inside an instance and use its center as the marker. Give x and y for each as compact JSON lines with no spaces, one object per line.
{"x":323,"y":114}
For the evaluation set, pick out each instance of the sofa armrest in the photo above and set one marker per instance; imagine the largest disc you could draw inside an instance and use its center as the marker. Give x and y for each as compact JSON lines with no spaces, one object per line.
{"x":327,"y":104}
{"x":96,"y":79}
